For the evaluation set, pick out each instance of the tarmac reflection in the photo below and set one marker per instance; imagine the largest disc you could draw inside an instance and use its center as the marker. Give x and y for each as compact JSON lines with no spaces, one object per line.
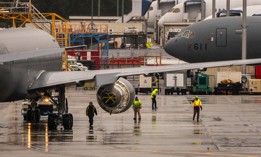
{"x":136,"y":129}
{"x":38,"y":135}
{"x":154,"y":121}
{"x":91,"y":137}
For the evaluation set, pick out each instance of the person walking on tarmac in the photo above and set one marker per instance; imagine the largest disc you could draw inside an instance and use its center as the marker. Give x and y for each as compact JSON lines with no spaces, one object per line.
{"x":90,"y":111}
{"x":137,"y":105}
{"x":197,"y":106}
{"x":153,"y":98}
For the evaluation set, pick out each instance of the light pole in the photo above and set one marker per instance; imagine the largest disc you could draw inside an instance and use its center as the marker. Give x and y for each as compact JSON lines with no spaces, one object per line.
{"x":244,"y":35}
{"x":213,"y":9}
{"x":91,"y":21}
{"x":117,"y":7}
{"x":122,"y":11}
{"x":99,"y":7}
{"x":228,"y":7}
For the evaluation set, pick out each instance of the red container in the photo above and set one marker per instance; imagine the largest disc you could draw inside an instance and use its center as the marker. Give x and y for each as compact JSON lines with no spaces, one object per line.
{"x":258,"y":72}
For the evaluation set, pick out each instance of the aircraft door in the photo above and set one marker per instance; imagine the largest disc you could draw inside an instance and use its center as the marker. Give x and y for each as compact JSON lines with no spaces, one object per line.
{"x":221,"y":34}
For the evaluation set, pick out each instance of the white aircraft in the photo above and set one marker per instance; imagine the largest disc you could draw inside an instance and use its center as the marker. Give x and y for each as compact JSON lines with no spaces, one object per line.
{"x":193,"y":10}
{"x":31,"y":63}
{"x":154,"y":13}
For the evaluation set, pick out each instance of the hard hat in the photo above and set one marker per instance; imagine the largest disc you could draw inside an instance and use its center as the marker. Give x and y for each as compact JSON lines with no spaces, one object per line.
{"x":156,"y":90}
{"x":196,"y":96}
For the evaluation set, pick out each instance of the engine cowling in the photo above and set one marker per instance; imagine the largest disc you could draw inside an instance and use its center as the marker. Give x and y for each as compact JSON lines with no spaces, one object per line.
{"x":116,"y":98}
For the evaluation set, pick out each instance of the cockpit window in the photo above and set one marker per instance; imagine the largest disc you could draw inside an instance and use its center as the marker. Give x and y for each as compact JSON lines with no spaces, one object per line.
{"x":174,"y":10}
{"x":187,"y":34}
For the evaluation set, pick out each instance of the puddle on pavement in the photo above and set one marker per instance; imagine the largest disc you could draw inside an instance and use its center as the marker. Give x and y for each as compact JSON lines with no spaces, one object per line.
{"x":217,"y":119}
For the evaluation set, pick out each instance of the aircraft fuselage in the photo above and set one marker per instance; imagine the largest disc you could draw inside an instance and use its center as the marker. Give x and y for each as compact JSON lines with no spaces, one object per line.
{"x":17,"y":76}
{"x":216,"y":40}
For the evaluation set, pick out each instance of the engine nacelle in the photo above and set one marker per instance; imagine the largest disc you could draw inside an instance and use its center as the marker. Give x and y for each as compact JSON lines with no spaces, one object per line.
{"x":116,"y":98}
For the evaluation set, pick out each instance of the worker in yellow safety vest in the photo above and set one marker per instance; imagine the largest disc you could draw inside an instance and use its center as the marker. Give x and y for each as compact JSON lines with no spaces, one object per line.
{"x":197,"y":106}
{"x":153,"y":99}
{"x":137,"y":105}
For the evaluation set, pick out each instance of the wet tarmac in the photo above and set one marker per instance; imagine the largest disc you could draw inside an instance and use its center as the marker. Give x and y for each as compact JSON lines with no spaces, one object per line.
{"x":229,"y":126}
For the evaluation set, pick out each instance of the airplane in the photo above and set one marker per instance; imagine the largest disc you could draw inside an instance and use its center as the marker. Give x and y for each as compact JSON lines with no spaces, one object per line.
{"x":154,"y":13}
{"x":31,"y":63}
{"x":216,"y":39}
{"x":176,"y":14}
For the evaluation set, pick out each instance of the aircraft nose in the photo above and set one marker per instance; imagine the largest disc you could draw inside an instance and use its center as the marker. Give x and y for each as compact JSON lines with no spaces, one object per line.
{"x":176,"y":48}
{"x":171,"y":47}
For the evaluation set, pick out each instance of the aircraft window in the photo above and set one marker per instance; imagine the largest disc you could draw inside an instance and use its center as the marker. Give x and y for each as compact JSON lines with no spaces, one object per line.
{"x":188,"y":34}
{"x":176,"y":10}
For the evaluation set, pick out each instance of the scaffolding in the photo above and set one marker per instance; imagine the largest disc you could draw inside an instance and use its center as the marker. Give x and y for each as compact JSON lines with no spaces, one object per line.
{"x":22,"y":13}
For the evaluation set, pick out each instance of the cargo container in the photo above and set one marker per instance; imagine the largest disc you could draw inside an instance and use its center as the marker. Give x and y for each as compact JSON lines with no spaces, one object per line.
{"x":145,"y":85}
{"x":254,"y":86}
{"x":175,"y":82}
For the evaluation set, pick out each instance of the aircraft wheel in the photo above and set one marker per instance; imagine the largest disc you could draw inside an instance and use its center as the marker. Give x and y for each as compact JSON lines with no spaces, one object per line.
{"x":37,"y":115}
{"x":51,"y":122}
{"x":67,"y":121}
{"x":66,"y":105}
{"x":29,"y":116}
{"x":25,"y":117}
{"x":71,"y":116}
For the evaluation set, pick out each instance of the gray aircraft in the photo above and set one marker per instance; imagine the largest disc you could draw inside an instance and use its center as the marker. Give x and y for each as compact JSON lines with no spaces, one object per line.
{"x":217,"y":39}
{"x":30,"y":65}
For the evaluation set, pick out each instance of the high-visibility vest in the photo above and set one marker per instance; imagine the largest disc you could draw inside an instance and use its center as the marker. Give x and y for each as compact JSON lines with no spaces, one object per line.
{"x":197,"y":103}
{"x":153,"y":93}
{"x":137,"y":104}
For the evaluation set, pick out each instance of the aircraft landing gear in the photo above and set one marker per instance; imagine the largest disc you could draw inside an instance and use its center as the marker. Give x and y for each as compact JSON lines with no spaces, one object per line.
{"x":33,"y":115}
{"x":52,"y":121}
{"x":62,"y":117}
{"x":67,"y":121}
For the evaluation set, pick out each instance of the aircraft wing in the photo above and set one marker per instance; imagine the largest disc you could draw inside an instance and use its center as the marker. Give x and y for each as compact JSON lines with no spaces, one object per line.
{"x":108,"y":76}
{"x":28,"y":54}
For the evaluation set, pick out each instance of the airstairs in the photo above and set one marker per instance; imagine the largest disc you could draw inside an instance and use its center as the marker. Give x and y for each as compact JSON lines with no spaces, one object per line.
{"x":39,"y":21}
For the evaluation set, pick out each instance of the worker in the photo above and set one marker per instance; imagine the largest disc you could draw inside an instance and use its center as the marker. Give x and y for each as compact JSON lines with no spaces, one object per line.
{"x":197,"y":106}
{"x":137,"y":105}
{"x":153,"y":98}
{"x":90,"y":111}
{"x":78,"y":56}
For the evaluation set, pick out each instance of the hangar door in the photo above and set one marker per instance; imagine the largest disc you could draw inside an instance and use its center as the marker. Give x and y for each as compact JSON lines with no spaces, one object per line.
{"x":221,"y":37}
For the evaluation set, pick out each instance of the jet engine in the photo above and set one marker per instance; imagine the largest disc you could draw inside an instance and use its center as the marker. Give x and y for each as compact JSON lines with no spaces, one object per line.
{"x":116,"y":98}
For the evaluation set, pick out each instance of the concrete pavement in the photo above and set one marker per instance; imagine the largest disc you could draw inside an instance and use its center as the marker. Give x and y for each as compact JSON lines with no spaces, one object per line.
{"x":229,"y":126}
